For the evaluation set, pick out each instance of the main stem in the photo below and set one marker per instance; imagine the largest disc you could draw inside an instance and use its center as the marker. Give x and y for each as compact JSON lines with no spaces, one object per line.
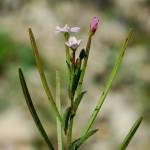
{"x":79,"y":88}
{"x":71,"y":96}
{"x":69,"y":133}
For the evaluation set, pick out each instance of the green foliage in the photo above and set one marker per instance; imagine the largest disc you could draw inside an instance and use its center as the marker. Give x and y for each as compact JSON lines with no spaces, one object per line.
{"x":14,"y":52}
{"x":76,"y":70}
{"x":77,"y":143}
{"x":66,"y":118}
{"x":78,"y":100}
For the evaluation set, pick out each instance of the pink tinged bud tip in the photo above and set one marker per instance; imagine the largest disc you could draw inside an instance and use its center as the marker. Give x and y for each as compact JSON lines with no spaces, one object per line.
{"x":73,"y":43}
{"x":94,"y":24}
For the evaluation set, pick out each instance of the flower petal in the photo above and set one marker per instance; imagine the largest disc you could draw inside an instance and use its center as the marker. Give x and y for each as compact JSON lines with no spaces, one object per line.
{"x":58,"y":29}
{"x":74,"y":29}
{"x":73,"y":43}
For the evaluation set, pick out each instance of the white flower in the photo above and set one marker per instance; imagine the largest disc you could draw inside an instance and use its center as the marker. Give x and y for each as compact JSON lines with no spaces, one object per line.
{"x":66,"y":28}
{"x":74,"y":29}
{"x":73,"y":43}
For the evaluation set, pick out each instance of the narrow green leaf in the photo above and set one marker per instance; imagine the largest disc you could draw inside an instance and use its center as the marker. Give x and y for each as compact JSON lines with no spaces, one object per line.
{"x":82,"y":54}
{"x":58,"y":103}
{"x":73,"y":144}
{"x":82,"y":140}
{"x":69,"y":67}
{"x":108,"y":84}
{"x":42,"y":75}
{"x":33,"y":111}
{"x":77,"y":143}
{"x":66,"y":118}
{"x":78,"y":99}
{"x":76,"y":78}
{"x":131,"y":134}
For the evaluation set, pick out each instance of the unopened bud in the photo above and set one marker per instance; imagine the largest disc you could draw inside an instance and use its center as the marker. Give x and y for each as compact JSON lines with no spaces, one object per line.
{"x":94,"y":24}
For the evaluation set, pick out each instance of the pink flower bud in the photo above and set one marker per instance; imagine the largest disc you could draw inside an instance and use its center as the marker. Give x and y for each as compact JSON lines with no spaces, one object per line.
{"x":94,"y":24}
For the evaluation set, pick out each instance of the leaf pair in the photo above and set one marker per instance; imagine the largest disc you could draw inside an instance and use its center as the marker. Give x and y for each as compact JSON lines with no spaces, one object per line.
{"x":67,"y":114}
{"x":77,"y":143}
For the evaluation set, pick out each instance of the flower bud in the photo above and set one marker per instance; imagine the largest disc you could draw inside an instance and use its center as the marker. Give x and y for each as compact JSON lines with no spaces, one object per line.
{"x":94,"y":24}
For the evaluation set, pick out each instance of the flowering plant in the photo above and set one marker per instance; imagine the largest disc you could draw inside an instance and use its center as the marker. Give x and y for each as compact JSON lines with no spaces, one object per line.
{"x":76,"y":69}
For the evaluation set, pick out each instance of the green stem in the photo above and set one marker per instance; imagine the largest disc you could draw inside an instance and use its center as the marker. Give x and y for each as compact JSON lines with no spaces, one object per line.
{"x":73,"y":58}
{"x":42,"y":75}
{"x":67,"y":54}
{"x":70,"y":128}
{"x":68,"y":61}
{"x":107,"y":85}
{"x":58,"y":103}
{"x":66,"y":35}
{"x":69,"y":134}
{"x":79,"y":88}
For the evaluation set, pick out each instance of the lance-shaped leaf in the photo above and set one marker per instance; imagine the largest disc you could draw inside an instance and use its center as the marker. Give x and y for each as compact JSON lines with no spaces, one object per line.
{"x":77,"y":143}
{"x":78,"y":100}
{"x":69,"y":67}
{"x":82,"y":54}
{"x":76,"y":78}
{"x":108,"y":84}
{"x":33,"y":111}
{"x":66,"y":118}
{"x":58,"y":103}
{"x":42,"y":75}
{"x":131,"y":134}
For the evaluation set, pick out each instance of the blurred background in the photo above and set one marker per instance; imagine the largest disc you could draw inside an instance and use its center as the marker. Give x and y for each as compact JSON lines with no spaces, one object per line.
{"x":129,"y":97}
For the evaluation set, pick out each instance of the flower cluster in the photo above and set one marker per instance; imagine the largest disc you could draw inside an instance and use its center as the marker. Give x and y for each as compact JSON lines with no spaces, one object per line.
{"x":72,"y":41}
{"x":75,"y":63}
